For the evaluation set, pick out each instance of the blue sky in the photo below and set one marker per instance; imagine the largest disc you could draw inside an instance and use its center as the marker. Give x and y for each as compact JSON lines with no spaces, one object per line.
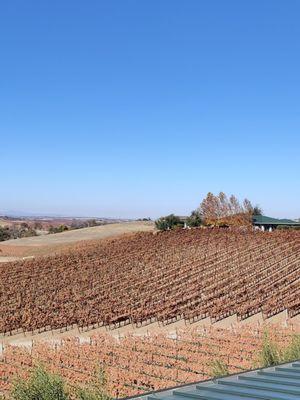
{"x":139,"y":108}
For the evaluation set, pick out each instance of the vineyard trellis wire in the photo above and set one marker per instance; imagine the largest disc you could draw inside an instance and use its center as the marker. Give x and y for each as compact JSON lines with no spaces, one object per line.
{"x":142,"y":278}
{"x":136,"y":364}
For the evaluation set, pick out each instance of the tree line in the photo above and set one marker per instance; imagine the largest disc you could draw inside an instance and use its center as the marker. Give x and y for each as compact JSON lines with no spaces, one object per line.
{"x":214,"y":210}
{"x":24,"y":229}
{"x":16,"y":231}
{"x":75,"y":224}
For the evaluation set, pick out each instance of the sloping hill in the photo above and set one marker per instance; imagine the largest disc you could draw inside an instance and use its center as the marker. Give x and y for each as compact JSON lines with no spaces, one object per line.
{"x":46,"y":244}
{"x":136,"y":364}
{"x":142,"y":278}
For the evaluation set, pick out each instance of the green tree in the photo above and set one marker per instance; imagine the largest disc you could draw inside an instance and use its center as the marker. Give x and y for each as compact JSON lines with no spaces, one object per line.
{"x":195,"y":219}
{"x":169,"y":222}
{"x":4,"y":233}
{"x":257,"y":210}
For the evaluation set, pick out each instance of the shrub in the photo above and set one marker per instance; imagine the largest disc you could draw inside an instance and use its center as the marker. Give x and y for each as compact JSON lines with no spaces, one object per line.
{"x":16,"y":231}
{"x":4,"y":233}
{"x":29,"y":233}
{"x":195,"y":219}
{"x":218,"y":369}
{"x":283,"y":227}
{"x":270,"y":354}
{"x":292,"y":352}
{"x":96,"y":389}
{"x":41,"y":385}
{"x":286,"y":227}
{"x":169,"y":222}
{"x":58,"y":229}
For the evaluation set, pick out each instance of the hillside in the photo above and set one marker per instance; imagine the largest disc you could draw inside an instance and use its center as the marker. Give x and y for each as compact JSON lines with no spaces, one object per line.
{"x":47,"y":244}
{"x":137,"y":364}
{"x":141,"y":278}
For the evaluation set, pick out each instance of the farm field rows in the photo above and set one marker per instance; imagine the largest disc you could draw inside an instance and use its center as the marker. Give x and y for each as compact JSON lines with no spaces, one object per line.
{"x":136,"y":364}
{"x":213,"y":273}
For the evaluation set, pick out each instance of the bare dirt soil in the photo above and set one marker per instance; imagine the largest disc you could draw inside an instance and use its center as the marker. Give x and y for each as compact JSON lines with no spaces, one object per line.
{"x":47,"y":244}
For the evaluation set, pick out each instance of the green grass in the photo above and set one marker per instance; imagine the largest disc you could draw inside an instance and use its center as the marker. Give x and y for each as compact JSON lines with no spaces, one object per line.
{"x":271,"y":354}
{"x":42,"y":385}
{"x":218,"y":369}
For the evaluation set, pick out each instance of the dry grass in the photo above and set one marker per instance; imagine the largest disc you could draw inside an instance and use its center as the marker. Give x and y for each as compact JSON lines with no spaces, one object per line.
{"x":47,"y":244}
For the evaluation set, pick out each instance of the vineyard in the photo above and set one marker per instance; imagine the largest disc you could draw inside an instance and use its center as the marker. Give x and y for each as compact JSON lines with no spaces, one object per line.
{"x":141,"y":278}
{"x":137,"y":364}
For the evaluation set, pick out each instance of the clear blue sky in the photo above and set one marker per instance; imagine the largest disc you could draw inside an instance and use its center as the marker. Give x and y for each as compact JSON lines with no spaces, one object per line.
{"x":139,"y":108}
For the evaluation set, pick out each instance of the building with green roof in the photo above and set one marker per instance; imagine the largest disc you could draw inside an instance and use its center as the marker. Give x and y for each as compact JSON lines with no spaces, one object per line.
{"x":267,"y":223}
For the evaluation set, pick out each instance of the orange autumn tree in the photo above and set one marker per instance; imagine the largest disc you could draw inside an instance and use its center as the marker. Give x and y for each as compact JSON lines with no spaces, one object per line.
{"x":220,"y":210}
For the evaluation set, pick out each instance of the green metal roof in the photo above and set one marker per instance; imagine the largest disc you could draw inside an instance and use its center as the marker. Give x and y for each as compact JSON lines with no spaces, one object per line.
{"x":263,"y":220}
{"x":274,"y":383}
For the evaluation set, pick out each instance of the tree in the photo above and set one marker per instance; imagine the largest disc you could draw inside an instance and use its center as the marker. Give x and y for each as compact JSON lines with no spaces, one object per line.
{"x":223,"y":205}
{"x":195,"y":219}
{"x":57,"y":229}
{"x":169,"y":222}
{"x":51,"y":229}
{"x":234,"y":205}
{"x":38,"y":225}
{"x":91,"y":222}
{"x":257,"y":210}
{"x":29,"y":233}
{"x":248,"y":207}
{"x":219,"y":210}
{"x":4,"y":233}
{"x":209,"y":209}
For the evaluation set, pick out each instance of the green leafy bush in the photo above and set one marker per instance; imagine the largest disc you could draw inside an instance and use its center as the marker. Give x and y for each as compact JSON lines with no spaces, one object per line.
{"x":292,"y":352}
{"x":195,"y":219}
{"x":58,"y":229}
{"x":270,"y":354}
{"x":41,"y":385}
{"x":169,"y":222}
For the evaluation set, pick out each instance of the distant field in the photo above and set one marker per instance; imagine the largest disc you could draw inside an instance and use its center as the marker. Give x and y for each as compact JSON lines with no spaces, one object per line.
{"x":39,"y":245}
{"x":7,"y":222}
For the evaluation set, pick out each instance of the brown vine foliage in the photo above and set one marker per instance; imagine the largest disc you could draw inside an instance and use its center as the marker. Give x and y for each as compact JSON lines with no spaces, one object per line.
{"x":137,"y":364}
{"x":187,"y":274}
